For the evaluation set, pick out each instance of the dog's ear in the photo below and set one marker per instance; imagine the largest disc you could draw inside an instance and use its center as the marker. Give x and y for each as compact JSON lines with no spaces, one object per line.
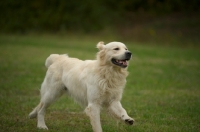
{"x":100,"y":45}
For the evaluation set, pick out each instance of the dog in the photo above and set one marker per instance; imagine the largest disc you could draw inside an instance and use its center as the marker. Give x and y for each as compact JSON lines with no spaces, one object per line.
{"x":94,"y":84}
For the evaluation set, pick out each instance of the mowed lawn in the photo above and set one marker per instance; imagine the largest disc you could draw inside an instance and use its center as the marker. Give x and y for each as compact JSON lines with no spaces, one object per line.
{"x":162,"y":92}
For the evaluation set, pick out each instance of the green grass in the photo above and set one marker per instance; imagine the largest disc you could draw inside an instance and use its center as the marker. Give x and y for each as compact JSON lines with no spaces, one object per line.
{"x":162,"y":91}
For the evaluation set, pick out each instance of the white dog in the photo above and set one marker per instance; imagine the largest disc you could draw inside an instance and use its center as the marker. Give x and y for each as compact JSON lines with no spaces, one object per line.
{"x":93,"y":83}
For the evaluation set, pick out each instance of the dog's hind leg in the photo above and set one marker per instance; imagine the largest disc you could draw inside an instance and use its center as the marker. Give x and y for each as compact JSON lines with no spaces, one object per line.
{"x":41,"y":123}
{"x":39,"y":112}
{"x":34,"y":113}
{"x":49,"y":93}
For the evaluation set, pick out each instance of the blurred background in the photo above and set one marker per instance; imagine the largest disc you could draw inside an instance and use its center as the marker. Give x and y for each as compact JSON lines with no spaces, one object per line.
{"x":166,"y":21}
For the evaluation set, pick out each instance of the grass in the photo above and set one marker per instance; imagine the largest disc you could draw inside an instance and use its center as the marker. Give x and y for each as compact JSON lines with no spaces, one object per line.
{"x":162,"y":91}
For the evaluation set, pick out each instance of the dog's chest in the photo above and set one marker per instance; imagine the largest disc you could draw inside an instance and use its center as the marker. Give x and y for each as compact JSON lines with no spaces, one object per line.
{"x":107,"y":98}
{"x":110,"y":93}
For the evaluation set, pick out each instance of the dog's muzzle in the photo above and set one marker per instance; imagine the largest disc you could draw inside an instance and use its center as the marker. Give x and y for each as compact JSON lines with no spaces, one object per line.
{"x":124,"y":62}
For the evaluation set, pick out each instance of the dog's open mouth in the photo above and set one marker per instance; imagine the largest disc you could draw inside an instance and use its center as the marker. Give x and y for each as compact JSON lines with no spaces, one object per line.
{"x":121,"y":63}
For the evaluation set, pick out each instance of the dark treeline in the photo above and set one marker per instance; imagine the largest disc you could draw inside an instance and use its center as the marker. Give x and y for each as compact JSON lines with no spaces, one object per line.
{"x":86,"y":15}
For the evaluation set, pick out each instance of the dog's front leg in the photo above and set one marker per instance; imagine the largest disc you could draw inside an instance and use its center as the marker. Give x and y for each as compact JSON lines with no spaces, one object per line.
{"x":93,"y":111}
{"x":118,"y":111}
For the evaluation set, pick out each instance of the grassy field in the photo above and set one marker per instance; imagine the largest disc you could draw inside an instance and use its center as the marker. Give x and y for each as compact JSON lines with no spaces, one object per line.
{"x":162,"y":91}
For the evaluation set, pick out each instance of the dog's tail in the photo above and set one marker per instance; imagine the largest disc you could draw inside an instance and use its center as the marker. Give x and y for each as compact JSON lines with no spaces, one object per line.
{"x":52,"y":58}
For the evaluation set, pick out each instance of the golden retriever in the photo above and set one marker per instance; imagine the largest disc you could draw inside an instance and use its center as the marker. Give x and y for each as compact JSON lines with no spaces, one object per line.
{"x":92,"y":83}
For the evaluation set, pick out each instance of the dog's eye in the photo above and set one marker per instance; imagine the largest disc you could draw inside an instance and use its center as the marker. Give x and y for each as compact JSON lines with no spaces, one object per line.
{"x":116,"y":48}
{"x":126,"y":49}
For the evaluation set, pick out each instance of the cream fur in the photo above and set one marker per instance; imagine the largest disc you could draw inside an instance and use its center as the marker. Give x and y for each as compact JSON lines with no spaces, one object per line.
{"x":92,"y":83}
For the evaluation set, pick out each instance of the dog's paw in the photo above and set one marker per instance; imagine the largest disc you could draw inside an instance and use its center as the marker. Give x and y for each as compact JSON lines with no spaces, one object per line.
{"x":32,"y":115}
{"x":44,"y":127}
{"x":129,"y":121}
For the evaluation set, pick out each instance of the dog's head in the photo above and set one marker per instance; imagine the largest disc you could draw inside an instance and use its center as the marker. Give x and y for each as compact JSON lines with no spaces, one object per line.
{"x":114,"y":53}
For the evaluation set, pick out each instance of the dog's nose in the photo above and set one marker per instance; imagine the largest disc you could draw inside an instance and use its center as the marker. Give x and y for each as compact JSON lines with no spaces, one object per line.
{"x":128,"y":54}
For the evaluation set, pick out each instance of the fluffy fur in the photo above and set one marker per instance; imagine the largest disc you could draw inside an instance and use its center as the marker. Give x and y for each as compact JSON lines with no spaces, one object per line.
{"x":92,"y":83}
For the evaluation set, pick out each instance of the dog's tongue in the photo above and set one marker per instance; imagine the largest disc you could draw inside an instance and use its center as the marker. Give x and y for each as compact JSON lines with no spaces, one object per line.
{"x":123,"y":62}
